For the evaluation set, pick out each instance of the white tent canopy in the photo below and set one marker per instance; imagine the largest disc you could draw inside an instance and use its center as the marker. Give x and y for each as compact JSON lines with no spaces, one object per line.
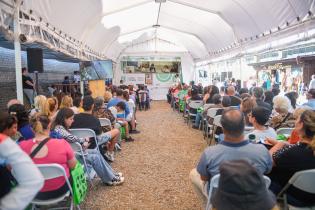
{"x":201,"y":28}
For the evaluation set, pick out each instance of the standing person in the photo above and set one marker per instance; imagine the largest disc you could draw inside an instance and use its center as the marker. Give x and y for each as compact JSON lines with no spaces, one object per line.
{"x":28,"y":86}
{"x":312,"y":83}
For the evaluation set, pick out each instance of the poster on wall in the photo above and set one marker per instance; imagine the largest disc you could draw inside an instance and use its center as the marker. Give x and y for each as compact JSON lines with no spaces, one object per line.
{"x":151,"y":64}
{"x":134,"y":79}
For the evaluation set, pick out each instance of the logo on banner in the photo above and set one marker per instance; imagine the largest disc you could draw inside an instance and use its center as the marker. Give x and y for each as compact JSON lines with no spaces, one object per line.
{"x":164,"y":77}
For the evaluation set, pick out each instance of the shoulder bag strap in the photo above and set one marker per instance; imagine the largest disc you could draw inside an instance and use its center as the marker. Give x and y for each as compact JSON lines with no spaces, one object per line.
{"x":40,"y":145}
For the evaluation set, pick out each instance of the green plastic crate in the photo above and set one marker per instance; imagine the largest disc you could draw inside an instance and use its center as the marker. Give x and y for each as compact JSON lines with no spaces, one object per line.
{"x":123,"y":132}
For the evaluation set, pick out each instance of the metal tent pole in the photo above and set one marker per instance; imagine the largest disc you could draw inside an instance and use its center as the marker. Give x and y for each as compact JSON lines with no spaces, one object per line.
{"x":17,"y":50}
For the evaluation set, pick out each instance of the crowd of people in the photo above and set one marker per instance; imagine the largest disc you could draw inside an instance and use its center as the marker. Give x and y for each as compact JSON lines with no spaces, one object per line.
{"x":249,"y":121}
{"x":47,"y":126}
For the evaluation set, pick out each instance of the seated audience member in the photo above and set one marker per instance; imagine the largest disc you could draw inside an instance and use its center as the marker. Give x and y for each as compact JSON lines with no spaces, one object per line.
{"x":291,"y":158}
{"x":311,"y":99}
{"x":258,"y":95}
{"x":269,"y":97}
{"x":275,"y":91}
{"x":87,"y":120}
{"x":283,"y":117}
{"x":226,"y":103}
{"x":233,"y":147}
{"x":294,"y":136}
{"x":107,"y":96}
{"x":27,"y":175}
{"x":292,"y":96}
{"x":217,"y":103}
{"x":243,"y":90}
{"x":61,"y":125}
{"x":66,"y":102}
{"x":246,"y":107}
{"x":52,"y":107}
{"x":209,"y":92}
{"x":40,"y":105}
{"x":245,"y":95}
{"x":24,"y":127}
{"x":241,"y":187}
{"x":194,"y":97}
{"x":9,"y":126}
{"x":77,"y":105}
{"x":13,"y":101}
{"x":100,"y":111}
{"x":116,"y":111}
{"x":258,"y":118}
{"x":54,"y":151}
{"x":131,"y":105}
{"x":235,"y":100}
{"x":119,"y":98}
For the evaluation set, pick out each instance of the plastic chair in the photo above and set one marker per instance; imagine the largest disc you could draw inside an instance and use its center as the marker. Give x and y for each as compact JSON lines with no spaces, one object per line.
{"x":77,"y":148}
{"x":216,"y":124}
{"x":284,"y":131}
{"x":303,"y":180}
{"x":51,"y":171}
{"x":84,"y":133}
{"x":214,"y":183}
{"x":193,"y":105}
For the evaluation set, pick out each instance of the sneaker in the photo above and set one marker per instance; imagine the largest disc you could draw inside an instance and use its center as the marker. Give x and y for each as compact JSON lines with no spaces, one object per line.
{"x":117,"y":180}
{"x":119,"y":174}
{"x":109,"y":157}
{"x":117,"y":147}
{"x":129,"y":139}
{"x":195,"y":127}
{"x":134,"y":131}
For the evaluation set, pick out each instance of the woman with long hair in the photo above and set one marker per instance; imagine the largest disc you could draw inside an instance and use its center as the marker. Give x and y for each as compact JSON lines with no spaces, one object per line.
{"x":54,"y":151}
{"x":61,"y":125}
{"x":291,"y":158}
{"x":66,"y":102}
{"x":41,"y":105}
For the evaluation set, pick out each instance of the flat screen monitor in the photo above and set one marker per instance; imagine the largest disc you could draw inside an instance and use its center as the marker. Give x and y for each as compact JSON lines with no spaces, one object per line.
{"x":96,"y":70}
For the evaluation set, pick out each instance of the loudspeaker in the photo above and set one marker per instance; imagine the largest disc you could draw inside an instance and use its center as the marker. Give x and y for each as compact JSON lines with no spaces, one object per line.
{"x":35,"y":60}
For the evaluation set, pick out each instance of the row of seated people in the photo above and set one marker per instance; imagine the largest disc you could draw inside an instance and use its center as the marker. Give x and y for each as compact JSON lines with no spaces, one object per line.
{"x":31,"y":128}
{"x":279,"y":160}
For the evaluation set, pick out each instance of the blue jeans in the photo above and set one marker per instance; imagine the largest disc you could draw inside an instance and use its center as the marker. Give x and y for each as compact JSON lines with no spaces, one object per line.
{"x":198,"y":119}
{"x":100,"y":166}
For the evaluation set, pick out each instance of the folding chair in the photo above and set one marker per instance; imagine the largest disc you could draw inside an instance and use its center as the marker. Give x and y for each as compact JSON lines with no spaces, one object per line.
{"x":105,"y":122}
{"x":216,"y":124}
{"x":303,"y":180}
{"x":211,"y":114}
{"x":214,"y":183}
{"x":284,"y":131}
{"x":77,"y":148}
{"x":85,"y":133}
{"x":51,"y":171}
{"x":193,"y":105}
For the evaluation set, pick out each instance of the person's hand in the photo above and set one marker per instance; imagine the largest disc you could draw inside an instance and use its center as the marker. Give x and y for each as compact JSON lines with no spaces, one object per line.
{"x":85,"y":145}
{"x":87,"y":139}
{"x":271,"y":141}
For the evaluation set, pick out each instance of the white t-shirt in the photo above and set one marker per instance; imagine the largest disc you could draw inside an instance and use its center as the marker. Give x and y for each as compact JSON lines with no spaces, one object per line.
{"x":312,"y":84}
{"x":268,"y":133}
{"x":113,"y":111}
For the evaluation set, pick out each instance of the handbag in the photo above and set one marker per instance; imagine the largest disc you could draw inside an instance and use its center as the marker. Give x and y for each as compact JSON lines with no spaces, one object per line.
{"x":79,"y":184}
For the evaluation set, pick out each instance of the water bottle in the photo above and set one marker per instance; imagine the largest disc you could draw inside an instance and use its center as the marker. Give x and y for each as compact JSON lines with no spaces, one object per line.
{"x":252,"y":138}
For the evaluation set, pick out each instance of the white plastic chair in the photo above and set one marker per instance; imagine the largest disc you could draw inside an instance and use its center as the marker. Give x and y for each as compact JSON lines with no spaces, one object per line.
{"x":51,"y":171}
{"x":284,"y":131}
{"x":193,"y":105}
{"x":77,"y":148}
{"x":303,"y":180}
{"x":214,"y":183}
{"x":84,"y":133}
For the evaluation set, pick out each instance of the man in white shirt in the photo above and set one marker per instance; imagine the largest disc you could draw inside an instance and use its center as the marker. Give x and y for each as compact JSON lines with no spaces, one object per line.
{"x":312,"y":83}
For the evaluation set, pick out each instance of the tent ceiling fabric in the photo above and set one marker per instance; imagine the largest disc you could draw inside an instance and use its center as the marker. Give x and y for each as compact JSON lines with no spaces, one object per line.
{"x":201,"y":27}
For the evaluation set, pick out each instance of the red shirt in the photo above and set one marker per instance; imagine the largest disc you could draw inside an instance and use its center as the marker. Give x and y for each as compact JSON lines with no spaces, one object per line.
{"x":60,"y":152}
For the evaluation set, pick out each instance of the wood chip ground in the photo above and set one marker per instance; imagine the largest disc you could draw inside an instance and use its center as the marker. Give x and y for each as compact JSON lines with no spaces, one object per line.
{"x":156,"y":166}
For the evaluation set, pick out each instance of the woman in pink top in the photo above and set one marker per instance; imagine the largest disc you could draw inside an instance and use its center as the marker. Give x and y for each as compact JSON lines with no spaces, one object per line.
{"x":54,"y":151}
